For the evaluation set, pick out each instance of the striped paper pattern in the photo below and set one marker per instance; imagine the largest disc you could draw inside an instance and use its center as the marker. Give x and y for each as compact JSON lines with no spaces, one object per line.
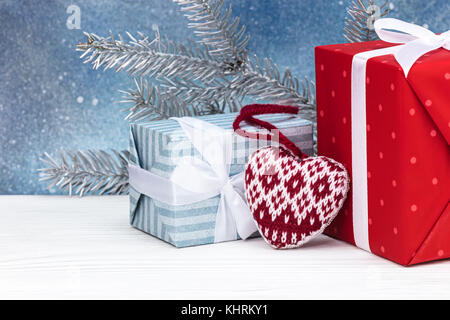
{"x":158,"y":146}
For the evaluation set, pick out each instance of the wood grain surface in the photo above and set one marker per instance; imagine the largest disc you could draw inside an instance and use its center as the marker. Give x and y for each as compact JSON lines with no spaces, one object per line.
{"x":83,"y":248}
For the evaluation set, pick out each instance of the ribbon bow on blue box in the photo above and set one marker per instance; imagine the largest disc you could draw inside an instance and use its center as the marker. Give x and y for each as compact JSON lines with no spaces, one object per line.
{"x":186,"y":177}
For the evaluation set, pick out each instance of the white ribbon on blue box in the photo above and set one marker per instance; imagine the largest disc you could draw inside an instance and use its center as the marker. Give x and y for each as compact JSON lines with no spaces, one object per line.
{"x":186,"y":177}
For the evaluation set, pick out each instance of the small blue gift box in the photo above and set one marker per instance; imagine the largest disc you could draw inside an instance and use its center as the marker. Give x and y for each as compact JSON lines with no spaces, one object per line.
{"x":159,"y":148}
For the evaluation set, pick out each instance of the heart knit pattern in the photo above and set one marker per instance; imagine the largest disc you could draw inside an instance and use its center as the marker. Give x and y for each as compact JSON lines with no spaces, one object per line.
{"x":293,"y":199}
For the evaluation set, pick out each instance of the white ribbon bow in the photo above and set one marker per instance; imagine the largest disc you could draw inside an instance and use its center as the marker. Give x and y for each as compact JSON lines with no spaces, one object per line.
{"x":417,"y":40}
{"x":195,"y":180}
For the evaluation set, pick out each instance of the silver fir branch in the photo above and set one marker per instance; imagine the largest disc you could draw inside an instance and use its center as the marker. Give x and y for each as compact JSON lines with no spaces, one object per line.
{"x":184,"y":86}
{"x":215,"y":76}
{"x":179,"y":97}
{"x":264,"y":82}
{"x":361,"y":16}
{"x":156,"y":58}
{"x":216,"y":97}
{"x":202,"y":75}
{"x":91,"y":172}
{"x":217,"y":29}
{"x":260,"y":82}
{"x":150,"y":103}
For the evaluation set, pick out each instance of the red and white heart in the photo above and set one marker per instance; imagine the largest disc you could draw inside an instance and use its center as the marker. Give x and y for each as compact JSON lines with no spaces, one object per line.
{"x":293,"y":199}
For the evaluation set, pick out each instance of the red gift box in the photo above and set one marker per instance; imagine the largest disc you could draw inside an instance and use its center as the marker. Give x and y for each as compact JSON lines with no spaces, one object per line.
{"x":392,"y":133}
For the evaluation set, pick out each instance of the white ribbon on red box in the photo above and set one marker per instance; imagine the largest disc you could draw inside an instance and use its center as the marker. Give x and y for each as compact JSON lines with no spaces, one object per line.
{"x":416,"y":41}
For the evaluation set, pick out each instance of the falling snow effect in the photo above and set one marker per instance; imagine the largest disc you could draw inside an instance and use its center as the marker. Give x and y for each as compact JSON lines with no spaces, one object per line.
{"x":49,"y":100}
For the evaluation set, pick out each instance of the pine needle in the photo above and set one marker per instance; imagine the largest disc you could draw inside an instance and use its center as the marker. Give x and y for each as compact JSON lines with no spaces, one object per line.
{"x":91,"y":172}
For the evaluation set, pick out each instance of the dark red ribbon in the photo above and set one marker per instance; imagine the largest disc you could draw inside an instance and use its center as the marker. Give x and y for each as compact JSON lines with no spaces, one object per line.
{"x":247,"y":114}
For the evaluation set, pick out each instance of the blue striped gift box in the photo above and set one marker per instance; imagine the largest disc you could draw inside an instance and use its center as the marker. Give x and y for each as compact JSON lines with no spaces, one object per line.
{"x":158,"y":146}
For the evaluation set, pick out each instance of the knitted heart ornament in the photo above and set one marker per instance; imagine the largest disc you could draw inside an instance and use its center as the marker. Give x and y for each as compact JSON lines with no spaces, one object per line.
{"x":292,"y":197}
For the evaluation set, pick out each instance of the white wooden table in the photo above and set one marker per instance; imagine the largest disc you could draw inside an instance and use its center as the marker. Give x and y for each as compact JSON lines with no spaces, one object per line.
{"x":65,"y":248}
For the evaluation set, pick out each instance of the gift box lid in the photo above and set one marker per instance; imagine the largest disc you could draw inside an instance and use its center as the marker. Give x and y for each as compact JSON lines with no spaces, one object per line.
{"x":429,"y":77}
{"x":159,"y":146}
{"x":172,"y":129}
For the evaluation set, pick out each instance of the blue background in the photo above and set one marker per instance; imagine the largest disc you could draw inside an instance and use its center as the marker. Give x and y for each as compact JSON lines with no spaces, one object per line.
{"x":50,"y":100}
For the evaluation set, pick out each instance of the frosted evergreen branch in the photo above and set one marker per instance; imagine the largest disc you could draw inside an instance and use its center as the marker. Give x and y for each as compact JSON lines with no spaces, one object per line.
{"x":218,"y":106}
{"x":260,"y":82}
{"x":217,"y":30}
{"x":91,"y":172}
{"x":156,"y":58}
{"x":264,"y":82}
{"x":217,"y":97}
{"x":176,"y":100}
{"x":360,"y":20}
{"x":153,"y":103}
